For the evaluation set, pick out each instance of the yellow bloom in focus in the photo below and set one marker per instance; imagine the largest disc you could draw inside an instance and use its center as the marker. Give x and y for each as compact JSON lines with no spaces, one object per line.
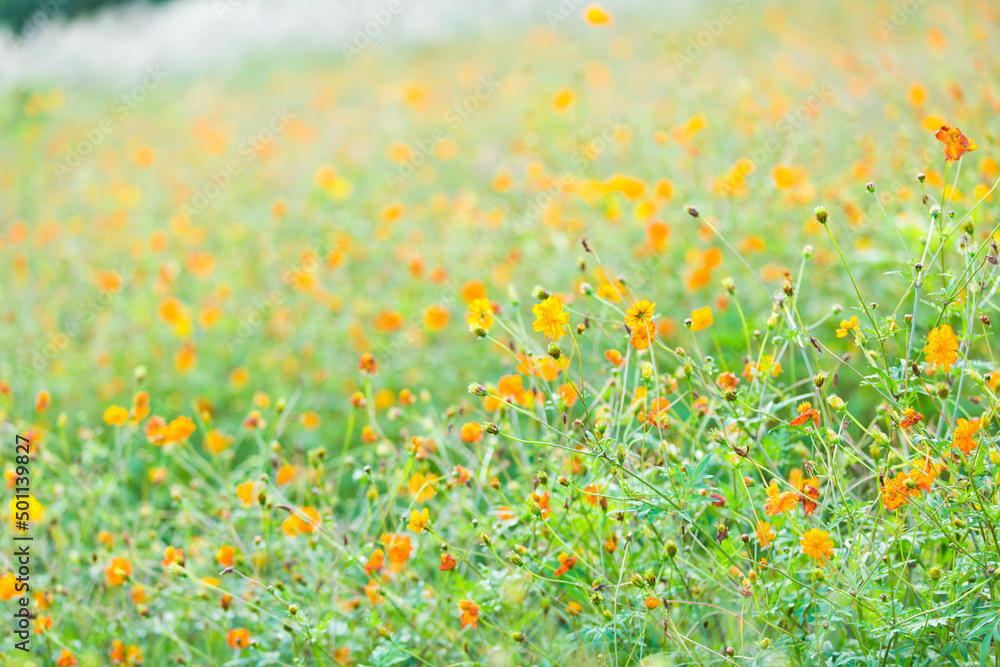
{"x":419,"y":520}
{"x":481,"y":313}
{"x":550,"y":318}
{"x":701,"y":318}
{"x":942,"y":347}
{"x":640,"y":313}
{"x":817,"y":544}
{"x":847,"y":326}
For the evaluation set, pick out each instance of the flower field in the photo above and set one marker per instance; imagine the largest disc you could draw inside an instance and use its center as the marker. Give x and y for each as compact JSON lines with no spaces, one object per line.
{"x":626,"y":337}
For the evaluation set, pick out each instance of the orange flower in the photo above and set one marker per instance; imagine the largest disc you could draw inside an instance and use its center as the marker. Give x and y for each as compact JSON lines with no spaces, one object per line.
{"x":727,"y":381}
{"x":565,"y":564}
{"x":470,"y":613}
{"x":910,"y":417}
{"x":506,"y":514}
{"x":225,"y":555}
{"x":178,"y":430}
{"x":436,"y":317}
{"x":398,"y":548}
{"x":897,"y":491}
{"x":43,"y":400}
{"x":66,"y":659}
{"x":924,"y":473}
{"x":942,"y":347}
{"x":614,"y":357}
{"x":541,"y":500}
{"x":296,"y":525}
{"x":448,"y":562}
{"x":964,"y":434}
{"x":816,"y":544}
{"x":372,"y":591}
{"x":375,"y":562}
{"x":779,"y":502}
{"x":286,"y":473}
{"x":701,"y":318}
{"x":591,"y":494}
{"x":766,"y":366}
{"x":471,"y":432}
{"x":119,"y":570}
{"x":367,"y":364}
{"x":643,"y":335}
{"x":171,"y":556}
{"x":806,"y":412}
{"x":244,"y":492}
{"x":8,"y":586}
{"x":955,"y":143}
{"x":764,"y":533}
{"x":652,"y":602}
{"x":217,"y":442}
{"x":238,"y":639}
{"x":43,"y":623}
{"x":122,"y":655}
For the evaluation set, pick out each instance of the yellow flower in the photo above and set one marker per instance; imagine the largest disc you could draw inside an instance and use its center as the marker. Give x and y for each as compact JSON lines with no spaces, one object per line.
{"x":594,"y":14}
{"x":847,"y":326}
{"x":639,"y":314}
{"x":550,"y":318}
{"x":481,"y":313}
{"x":422,"y":486}
{"x":115,"y":415}
{"x":817,"y":544}
{"x":942,"y":347}
{"x":419,"y":520}
{"x":563,"y":99}
{"x":701,"y":318}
